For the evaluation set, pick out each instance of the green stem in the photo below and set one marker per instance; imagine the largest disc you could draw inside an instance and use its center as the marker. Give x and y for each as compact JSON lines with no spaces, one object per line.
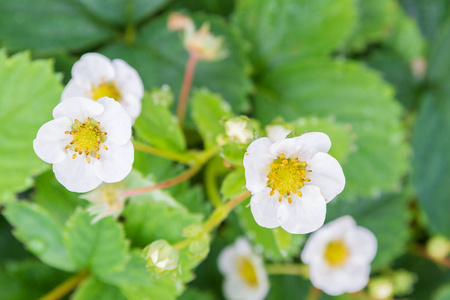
{"x":185,"y":88}
{"x":66,"y":287}
{"x":187,"y":158}
{"x":288,"y":269}
{"x":211,"y":183}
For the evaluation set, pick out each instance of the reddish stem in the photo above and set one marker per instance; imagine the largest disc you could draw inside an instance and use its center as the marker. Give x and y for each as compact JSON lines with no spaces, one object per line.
{"x":185,"y":88}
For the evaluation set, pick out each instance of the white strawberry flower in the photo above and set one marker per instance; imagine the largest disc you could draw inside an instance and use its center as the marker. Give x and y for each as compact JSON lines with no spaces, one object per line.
{"x":95,"y":76}
{"x":291,"y":181}
{"x":339,"y":256}
{"x":245,"y":276}
{"x":88,"y":142}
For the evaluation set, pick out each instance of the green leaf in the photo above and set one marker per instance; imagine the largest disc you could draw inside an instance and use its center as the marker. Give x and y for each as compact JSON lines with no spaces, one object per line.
{"x":376,"y":20}
{"x":28,"y":279}
{"x":55,"y":198}
{"x":196,"y":294}
{"x":353,"y":95}
{"x":123,"y":12}
{"x":149,"y":220}
{"x":29,"y":90}
{"x":392,"y":232}
{"x":217,"y":7}
{"x":158,"y":126}
{"x":99,"y":247}
{"x":233,"y":184}
{"x":165,"y":60}
{"x":49,"y":25}
{"x":284,"y":31}
{"x":40,"y":233}
{"x":208,"y":109}
{"x":284,"y":286}
{"x":136,"y":283}
{"x":439,"y":60}
{"x":443,"y":293}
{"x":93,"y":289}
{"x":277,"y":245}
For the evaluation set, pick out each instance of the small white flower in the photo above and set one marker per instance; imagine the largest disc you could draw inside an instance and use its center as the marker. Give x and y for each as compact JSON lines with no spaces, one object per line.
{"x":88,"y":142}
{"x":106,"y":201}
{"x":245,"y":276}
{"x":291,"y":181}
{"x":95,"y":76}
{"x":236,"y":130}
{"x":277,"y":132}
{"x":339,"y":256}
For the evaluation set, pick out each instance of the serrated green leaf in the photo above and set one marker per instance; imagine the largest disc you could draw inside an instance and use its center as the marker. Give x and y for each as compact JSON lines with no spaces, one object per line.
{"x":28,"y":279}
{"x":40,"y":233}
{"x":208,"y":109}
{"x":93,"y":289}
{"x":99,"y":247}
{"x":49,"y":25}
{"x":284,"y":31}
{"x":122,"y":12}
{"x":233,"y":184}
{"x":136,"y":283}
{"x":29,"y":90}
{"x":376,"y":20}
{"x":387,"y":217}
{"x":158,"y":126}
{"x":353,"y":95}
{"x":149,"y":220}
{"x":277,"y":246}
{"x":55,"y":198}
{"x":165,"y":60}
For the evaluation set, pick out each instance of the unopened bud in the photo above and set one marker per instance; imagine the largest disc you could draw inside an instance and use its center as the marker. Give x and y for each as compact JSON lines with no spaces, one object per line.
{"x":403,"y":282}
{"x":381,"y":288}
{"x":161,"y":256}
{"x":179,"y":21}
{"x":438,"y":247}
{"x":205,"y":45}
{"x":162,"y":96}
{"x":237,"y":130}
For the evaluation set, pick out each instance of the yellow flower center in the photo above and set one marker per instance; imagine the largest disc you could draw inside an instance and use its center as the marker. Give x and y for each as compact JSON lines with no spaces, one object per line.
{"x":286,"y":176}
{"x":106,"y":89}
{"x":336,"y":253}
{"x":247,"y":271}
{"x":87,"y":138}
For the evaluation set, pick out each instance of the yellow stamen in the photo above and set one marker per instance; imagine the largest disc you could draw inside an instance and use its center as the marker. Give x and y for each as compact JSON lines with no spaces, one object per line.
{"x":336,"y":253}
{"x":106,"y":89}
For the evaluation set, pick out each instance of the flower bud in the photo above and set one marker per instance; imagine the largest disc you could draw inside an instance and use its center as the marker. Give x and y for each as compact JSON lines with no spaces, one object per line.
{"x":381,"y":288}
{"x":403,"y":282}
{"x":205,"y":45}
{"x":237,"y":130}
{"x":179,"y":21}
{"x":161,"y":256}
{"x":438,"y":247}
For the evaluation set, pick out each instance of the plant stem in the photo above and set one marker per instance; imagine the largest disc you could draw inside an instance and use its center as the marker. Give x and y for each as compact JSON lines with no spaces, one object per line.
{"x":288,"y":269}
{"x":185,"y":88}
{"x":177,"y":179}
{"x":187,"y":158}
{"x":66,"y":287}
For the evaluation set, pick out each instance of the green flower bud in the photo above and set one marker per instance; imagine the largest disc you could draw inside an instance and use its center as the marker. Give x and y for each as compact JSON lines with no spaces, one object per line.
{"x":161,"y":256}
{"x":438,"y":247}
{"x":403,"y":282}
{"x":381,"y":288}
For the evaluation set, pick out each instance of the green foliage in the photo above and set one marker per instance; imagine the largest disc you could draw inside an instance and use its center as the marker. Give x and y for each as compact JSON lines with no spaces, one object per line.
{"x":100,"y":247}
{"x":386,"y":216}
{"x":40,"y":233}
{"x":286,"y":31}
{"x":93,"y":289}
{"x":28,"y":279}
{"x":165,"y":59}
{"x":157,"y":125}
{"x":208,"y":110}
{"x":233,"y":184}
{"x":28,"y":92}
{"x":66,"y":26}
{"x":443,"y":293}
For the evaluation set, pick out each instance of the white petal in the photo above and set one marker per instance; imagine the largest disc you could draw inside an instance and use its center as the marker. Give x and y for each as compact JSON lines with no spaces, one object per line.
{"x":78,"y":108}
{"x":304,"y":147}
{"x":326,"y":173}
{"x":226,"y":259}
{"x":128,"y":79}
{"x":336,"y":281}
{"x":234,"y":288}
{"x":277,"y":132}
{"x":76,"y":174}
{"x":265,"y":208}
{"x":132,"y":105}
{"x":256,"y":164}
{"x":51,"y":140}
{"x":316,"y":243}
{"x":363,"y":245}
{"x":305,"y":214}
{"x":115,"y":163}
{"x":74,"y":89}
{"x":115,"y":121}
{"x":92,"y":68}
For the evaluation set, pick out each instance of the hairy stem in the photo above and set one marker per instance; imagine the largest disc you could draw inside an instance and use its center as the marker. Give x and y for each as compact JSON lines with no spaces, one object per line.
{"x":185,"y":88}
{"x":66,"y":287}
